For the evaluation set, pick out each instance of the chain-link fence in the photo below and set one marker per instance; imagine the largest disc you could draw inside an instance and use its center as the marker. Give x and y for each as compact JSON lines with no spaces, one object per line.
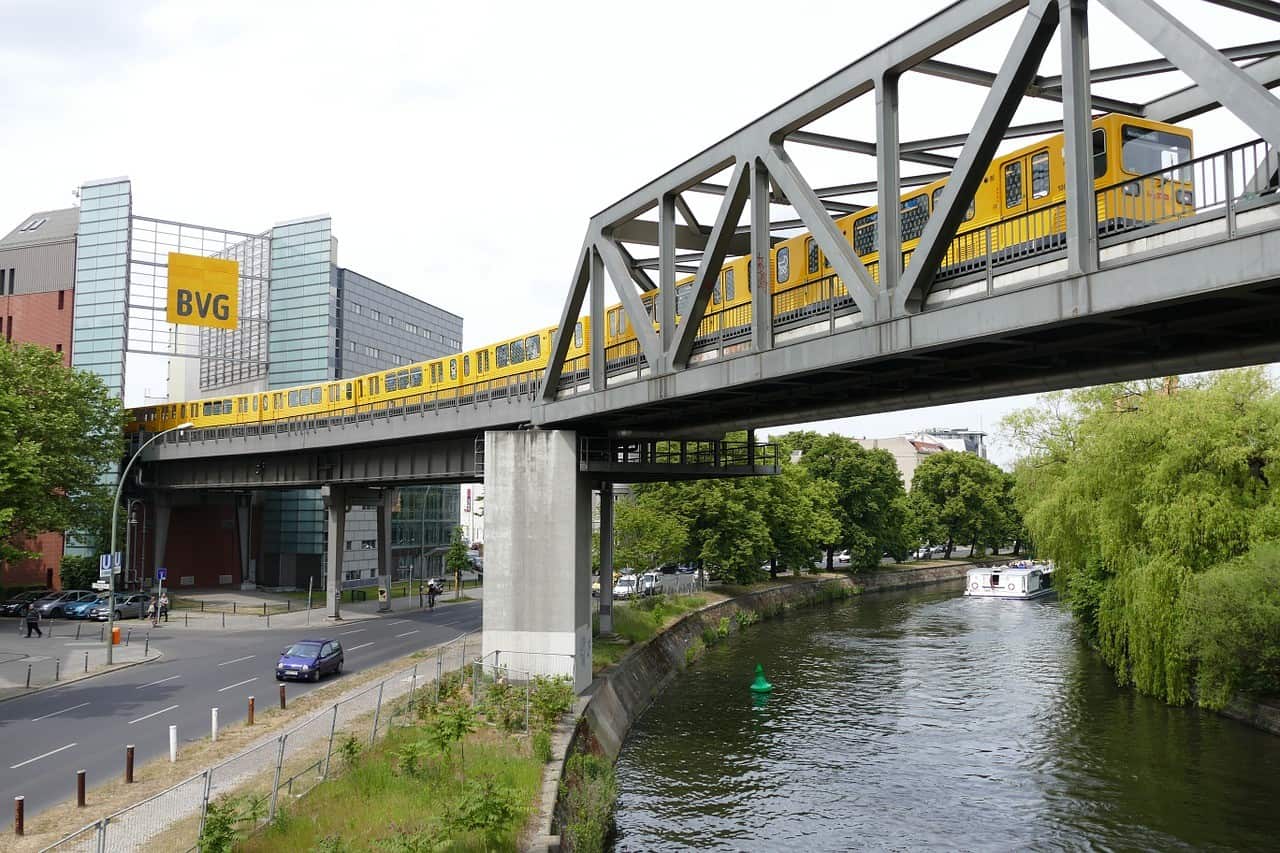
{"x":276,"y":770}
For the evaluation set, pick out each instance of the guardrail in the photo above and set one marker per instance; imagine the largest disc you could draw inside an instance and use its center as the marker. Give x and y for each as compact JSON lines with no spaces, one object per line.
{"x":291,"y":763}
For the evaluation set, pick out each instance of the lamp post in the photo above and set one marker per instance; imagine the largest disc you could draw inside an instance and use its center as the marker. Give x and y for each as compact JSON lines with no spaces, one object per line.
{"x":115,"y":508}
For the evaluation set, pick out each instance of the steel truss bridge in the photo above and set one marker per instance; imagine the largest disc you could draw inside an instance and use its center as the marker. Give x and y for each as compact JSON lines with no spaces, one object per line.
{"x":1161,"y":291}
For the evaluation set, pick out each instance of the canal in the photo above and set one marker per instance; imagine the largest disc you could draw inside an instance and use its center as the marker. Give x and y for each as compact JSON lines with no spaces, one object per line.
{"x":924,"y":719}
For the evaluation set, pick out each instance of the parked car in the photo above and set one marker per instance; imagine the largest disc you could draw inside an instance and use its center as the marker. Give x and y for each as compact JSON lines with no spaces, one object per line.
{"x":650,"y":583}
{"x":82,"y":609}
{"x":595,"y":586}
{"x":842,"y":558}
{"x":17,"y":606}
{"x":626,"y":586}
{"x":309,"y":660}
{"x":129,"y":605}
{"x":54,"y":605}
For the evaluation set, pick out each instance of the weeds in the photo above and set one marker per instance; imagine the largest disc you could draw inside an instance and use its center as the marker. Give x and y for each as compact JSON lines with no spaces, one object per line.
{"x":588,"y":791}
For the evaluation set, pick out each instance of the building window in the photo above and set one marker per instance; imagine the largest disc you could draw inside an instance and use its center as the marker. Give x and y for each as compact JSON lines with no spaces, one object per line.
{"x":391,"y":321}
{"x":13,"y":279}
{"x":355,"y":309}
{"x":57,"y":348}
{"x":374,"y":315}
{"x":62,"y":299}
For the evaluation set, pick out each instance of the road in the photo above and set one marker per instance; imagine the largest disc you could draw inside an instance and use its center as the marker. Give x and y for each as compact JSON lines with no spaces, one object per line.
{"x":46,"y":737}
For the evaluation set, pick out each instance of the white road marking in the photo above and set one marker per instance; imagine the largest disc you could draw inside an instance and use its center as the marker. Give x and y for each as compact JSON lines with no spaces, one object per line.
{"x":153,"y":714}
{"x":406,"y":633}
{"x":344,"y":633}
{"x":56,"y":713}
{"x":361,"y":646}
{"x":154,"y":683}
{"x":398,"y":622}
{"x":237,"y":660}
{"x":237,"y":684}
{"x":38,"y":757}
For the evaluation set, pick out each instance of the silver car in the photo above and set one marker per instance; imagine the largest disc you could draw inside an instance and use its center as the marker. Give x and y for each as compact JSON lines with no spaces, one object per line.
{"x":128,"y":606}
{"x":54,"y":605}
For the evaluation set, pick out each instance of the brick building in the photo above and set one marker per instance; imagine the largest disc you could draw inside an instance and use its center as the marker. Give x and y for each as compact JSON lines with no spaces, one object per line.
{"x":37,"y":281}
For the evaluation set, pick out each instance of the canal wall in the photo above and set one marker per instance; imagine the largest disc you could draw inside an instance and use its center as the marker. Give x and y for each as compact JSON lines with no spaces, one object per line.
{"x":618,"y":696}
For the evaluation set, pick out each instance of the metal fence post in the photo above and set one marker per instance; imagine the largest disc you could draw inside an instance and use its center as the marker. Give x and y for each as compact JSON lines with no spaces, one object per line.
{"x":439,"y":670}
{"x":1231,"y":194}
{"x":377,"y":712}
{"x":333,"y":725}
{"x":413,"y":686}
{"x":275,"y":786}
{"x":204,"y":801}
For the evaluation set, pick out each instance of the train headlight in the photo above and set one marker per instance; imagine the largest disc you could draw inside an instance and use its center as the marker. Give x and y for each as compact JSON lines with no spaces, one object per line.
{"x":1133,"y":188}
{"x":1187,"y":197}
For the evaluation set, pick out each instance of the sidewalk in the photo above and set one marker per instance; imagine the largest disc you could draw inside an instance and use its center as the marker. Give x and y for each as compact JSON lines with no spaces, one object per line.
{"x":59,"y":657}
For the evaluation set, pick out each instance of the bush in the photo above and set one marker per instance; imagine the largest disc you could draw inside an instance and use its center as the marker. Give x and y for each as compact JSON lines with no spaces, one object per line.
{"x":722,"y":629}
{"x":78,"y":572}
{"x":1232,"y":628}
{"x":693,"y":652}
{"x":350,"y":750}
{"x":487,"y":808}
{"x":225,"y":817}
{"x":504,"y":705}
{"x":540,"y":746}
{"x":710,"y":637}
{"x":746,"y":617}
{"x":588,"y":792}
{"x":549,"y":699}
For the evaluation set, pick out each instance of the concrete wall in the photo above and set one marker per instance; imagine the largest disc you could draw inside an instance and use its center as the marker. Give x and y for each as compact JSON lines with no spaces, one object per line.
{"x":537,"y":599}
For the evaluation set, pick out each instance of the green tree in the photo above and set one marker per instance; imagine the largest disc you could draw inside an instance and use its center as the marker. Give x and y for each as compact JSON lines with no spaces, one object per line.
{"x":78,"y":572}
{"x":870,"y":500}
{"x":727,"y":530}
{"x":61,"y":430}
{"x":962,"y":494}
{"x":797,"y":510}
{"x":646,"y":536}
{"x":456,"y":559}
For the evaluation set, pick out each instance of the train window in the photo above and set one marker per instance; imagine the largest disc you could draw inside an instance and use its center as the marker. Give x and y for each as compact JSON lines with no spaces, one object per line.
{"x":577,"y":334}
{"x":715,"y":293}
{"x":517,"y":351}
{"x":466,"y":365}
{"x":811,"y":251}
{"x":1099,"y":154}
{"x":349,"y":389}
{"x":207,"y":409}
{"x":1040,"y":175}
{"x":453,"y":368}
{"x":613,"y":322}
{"x":864,"y":235}
{"x":728,"y":285}
{"x":255,"y":402}
{"x":937,"y":198}
{"x":500,"y":351}
{"x":684,"y":298}
{"x":415,"y":377}
{"x":293,"y":399}
{"x":226,"y":407}
{"x":1143,"y":150}
{"x":315,"y":396}
{"x":784,"y":264}
{"x":374,"y":385}
{"x":1013,"y":184}
{"x":184,"y":410}
{"x":390,"y":381}
{"x":532,"y":347}
{"x":402,"y":379}
{"x":915,"y":215}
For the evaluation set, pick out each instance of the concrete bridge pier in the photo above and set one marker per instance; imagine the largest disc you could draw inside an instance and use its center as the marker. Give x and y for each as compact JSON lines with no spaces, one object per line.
{"x":537,"y":590}
{"x":336,"y":506}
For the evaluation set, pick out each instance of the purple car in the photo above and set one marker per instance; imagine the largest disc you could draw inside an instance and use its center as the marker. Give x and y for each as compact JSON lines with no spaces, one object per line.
{"x":307,"y":660}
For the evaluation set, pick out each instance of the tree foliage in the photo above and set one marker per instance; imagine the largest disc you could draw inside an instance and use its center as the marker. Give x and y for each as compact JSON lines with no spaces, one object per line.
{"x":456,"y":559}
{"x":647,"y":536}
{"x":1140,"y":496}
{"x":60,"y":430}
{"x":963,"y":499}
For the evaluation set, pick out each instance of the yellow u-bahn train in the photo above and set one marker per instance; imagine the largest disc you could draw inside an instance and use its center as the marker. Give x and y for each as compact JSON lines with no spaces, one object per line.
{"x":1017,"y":210}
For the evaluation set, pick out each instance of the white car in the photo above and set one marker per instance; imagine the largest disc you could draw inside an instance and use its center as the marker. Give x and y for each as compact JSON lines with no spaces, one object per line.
{"x":650,"y":583}
{"x":626,"y":586}
{"x":842,"y":558}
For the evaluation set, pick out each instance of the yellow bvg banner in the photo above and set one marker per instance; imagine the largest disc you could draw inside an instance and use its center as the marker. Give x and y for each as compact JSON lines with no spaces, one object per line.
{"x":203,"y":291}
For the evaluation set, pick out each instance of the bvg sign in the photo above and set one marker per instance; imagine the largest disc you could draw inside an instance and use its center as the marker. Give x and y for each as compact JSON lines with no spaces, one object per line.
{"x":203,"y":291}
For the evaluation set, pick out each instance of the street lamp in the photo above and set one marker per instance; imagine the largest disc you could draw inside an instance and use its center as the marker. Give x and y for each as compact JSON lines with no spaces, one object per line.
{"x":111,"y":555}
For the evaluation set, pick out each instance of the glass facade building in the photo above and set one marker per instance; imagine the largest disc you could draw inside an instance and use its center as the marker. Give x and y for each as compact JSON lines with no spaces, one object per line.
{"x":101,"y":285}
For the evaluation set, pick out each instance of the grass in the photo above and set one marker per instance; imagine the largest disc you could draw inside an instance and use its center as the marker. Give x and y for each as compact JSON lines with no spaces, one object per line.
{"x":637,"y":622}
{"x":373,"y":805}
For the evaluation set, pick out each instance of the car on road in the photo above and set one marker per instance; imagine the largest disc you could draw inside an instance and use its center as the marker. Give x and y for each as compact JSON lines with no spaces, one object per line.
{"x":842,"y":558}
{"x":17,"y":606}
{"x":650,"y":583}
{"x":129,"y":605}
{"x":308,"y":660}
{"x":627,"y":586}
{"x":82,"y":609}
{"x":54,"y":605}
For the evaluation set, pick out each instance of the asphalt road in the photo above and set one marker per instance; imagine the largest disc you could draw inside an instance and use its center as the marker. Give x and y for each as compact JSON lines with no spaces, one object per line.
{"x":46,"y":737}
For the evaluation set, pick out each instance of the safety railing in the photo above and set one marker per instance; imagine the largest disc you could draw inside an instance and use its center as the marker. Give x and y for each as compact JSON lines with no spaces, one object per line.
{"x":288,"y":765}
{"x":600,"y":450}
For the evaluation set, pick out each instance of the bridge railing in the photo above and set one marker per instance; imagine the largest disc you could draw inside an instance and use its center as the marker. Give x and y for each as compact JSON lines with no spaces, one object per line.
{"x":600,"y":450}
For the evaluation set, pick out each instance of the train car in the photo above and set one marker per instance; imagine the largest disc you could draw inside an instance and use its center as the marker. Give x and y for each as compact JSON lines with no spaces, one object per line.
{"x":1017,"y":211}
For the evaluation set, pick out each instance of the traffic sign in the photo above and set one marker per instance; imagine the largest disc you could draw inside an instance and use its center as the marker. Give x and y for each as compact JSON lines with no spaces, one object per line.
{"x":115,"y":560}
{"x":104,"y":562}
{"x":161,"y":574}
{"x":104,"y":572}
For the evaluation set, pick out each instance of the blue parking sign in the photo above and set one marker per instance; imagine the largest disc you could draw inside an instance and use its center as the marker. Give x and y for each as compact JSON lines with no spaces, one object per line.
{"x":161,"y":574}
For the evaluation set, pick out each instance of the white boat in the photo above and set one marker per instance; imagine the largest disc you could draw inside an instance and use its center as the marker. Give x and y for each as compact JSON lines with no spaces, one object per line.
{"x":1024,"y":579}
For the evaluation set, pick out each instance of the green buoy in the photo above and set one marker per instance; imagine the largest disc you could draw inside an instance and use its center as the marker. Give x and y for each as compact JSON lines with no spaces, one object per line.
{"x":760,"y":685}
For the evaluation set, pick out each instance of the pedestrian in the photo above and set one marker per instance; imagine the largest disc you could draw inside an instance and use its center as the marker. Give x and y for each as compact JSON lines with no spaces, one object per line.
{"x":33,"y":622}
{"x":431,"y":597}
{"x":164,"y":605}
{"x":151,"y":610}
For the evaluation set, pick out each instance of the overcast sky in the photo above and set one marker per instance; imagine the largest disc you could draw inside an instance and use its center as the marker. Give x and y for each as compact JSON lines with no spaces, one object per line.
{"x":461,"y":148}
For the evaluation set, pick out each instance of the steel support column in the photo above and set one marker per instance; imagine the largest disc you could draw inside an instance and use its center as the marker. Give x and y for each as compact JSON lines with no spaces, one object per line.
{"x":1082,"y":215}
{"x":335,"y":503}
{"x":383,"y":512}
{"x":889,"y":191}
{"x":606,"y":558}
{"x":598,"y":320}
{"x":761,"y":272}
{"x":666,"y":277}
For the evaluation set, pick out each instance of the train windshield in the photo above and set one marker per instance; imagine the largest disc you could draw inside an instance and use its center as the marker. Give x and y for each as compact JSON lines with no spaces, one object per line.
{"x":1144,"y":151}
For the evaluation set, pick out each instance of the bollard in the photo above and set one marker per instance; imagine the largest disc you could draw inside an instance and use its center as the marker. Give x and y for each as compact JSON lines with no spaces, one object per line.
{"x":224,"y":619}
{"x":28,"y":675}
{"x":264,"y":608}
{"x":78,"y":631}
{"x":250,"y":711}
{"x":146,"y":647}
{"x":281,"y":697}
{"x":86,"y":661}
{"x":233,"y":607}
{"x":213,"y":724}
{"x":57,"y":668}
{"x":268,"y":620}
{"x":127,"y":636}
{"x":102,"y":633}
{"x":186,"y":620}
{"x":17,"y":815}
{"x":288,"y":605}
{"x":128,"y":764}
{"x":173,"y":744}
{"x":202,"y":606}
{"x":80,"y":788}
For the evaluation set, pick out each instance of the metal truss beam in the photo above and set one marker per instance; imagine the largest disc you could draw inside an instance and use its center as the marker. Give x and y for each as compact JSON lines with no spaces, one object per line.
{"x":641,"y":323}
{"x":1261,"y":8}
{"x":1041,"y":128}
{"x":872,"y":186}
{"x":1038,"y":88}
{"x":568,"y":319}
{"x":1218,"y":76}
{"x":1131,"y":70}
{"x":1002,"y":101}
{"x":686,"y":213}
{"x":857,"y":146}
{"x":1196,"y":100}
